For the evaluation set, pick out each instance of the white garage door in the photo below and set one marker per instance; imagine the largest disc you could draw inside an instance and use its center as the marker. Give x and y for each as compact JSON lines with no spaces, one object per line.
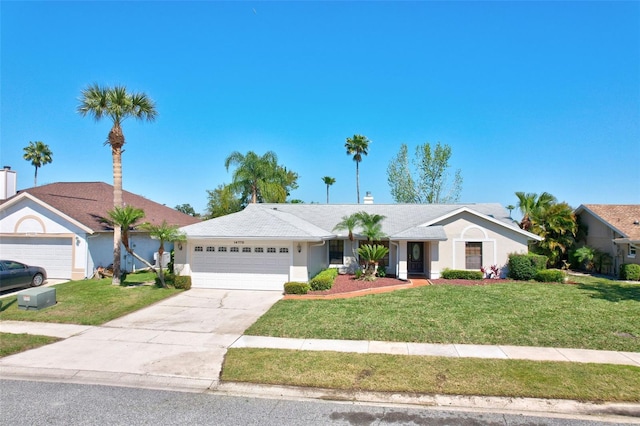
{"x":259,"y":267}
{"x":53,"y":254}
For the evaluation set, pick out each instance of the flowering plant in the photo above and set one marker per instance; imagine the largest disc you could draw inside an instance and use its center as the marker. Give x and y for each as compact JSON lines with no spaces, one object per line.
{"x":492,"y":272}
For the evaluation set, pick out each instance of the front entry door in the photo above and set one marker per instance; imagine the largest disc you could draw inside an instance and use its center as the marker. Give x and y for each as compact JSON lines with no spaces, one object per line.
{"x":415,"y":257}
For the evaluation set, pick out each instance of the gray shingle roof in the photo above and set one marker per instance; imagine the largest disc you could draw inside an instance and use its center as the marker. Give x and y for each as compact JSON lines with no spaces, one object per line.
{"x":317,"y":221}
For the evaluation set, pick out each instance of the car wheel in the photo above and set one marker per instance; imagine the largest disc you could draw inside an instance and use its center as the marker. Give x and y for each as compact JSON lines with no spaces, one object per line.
{"x":37,"y":280}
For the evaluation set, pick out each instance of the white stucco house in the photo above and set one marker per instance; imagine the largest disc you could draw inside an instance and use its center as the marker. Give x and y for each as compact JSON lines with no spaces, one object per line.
{"x":266,"y":245}
{"x":58,"y":226}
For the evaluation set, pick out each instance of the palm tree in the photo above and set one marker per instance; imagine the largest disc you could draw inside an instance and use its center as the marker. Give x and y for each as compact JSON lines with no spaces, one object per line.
{"x":357,"y":146}
{"x":371,"y":225}
{"x":254,"y":175}
{"x":347,"y":223}
{"x":371,"y":255}
{"x":164,"y":233}
{"x":117,"y":104}
{"x":328,"y":181}
{"x":533,"y":206}
{"x":39,"y":154}
{"x":124,"y":218}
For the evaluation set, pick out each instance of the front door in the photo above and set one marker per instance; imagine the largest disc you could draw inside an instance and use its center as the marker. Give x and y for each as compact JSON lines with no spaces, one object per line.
{"x":415,"y":257}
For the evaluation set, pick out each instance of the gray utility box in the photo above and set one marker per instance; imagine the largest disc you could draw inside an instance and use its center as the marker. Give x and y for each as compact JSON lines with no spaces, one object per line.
{"x":36,"y":298}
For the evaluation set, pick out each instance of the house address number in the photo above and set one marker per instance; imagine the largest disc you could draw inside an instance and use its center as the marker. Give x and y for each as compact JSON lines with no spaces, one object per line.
{"x":238,"y":242}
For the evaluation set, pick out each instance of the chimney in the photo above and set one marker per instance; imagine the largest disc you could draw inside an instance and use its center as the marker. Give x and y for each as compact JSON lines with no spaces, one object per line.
{"x":368,"y":199}
{"x":7,"y":183}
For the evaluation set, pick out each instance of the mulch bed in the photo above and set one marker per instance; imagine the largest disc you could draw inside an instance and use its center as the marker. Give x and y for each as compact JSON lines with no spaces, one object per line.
{"x":348,"y":283}
{"x":442,"y":281}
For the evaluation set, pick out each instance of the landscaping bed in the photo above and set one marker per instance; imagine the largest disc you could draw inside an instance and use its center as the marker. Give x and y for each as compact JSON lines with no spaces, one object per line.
{"x":348,"y":283}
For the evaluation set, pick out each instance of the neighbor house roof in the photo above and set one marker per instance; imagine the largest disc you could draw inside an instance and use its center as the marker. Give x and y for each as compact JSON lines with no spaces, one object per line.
{"x":318,"y":221}
{"x":87,"y":202}
{"x":622,"y":218}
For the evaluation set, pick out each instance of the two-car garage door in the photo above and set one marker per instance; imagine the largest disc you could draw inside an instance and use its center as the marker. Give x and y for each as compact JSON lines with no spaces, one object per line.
{"x":247,"y":267}
{"x":53,"y":254}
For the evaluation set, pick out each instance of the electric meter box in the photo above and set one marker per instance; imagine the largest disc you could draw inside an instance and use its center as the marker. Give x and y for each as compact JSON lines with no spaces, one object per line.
{"x":35,"y":299}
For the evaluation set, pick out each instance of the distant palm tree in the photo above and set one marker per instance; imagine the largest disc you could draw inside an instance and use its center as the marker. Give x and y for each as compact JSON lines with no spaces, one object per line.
{"x":357,"y":146}
{"x":117,"y":104}
{"x":255,"y":175}
{"x":39,"y":154}
{"x":328,"y":181}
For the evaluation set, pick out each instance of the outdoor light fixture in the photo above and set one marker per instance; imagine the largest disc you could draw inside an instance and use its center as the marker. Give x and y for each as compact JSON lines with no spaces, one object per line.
{"x":179,"y":246}
{"x":299,"y":248}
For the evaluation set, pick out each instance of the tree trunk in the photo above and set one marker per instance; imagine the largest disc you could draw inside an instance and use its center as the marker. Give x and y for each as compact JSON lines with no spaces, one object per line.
{"x":116,"y":140}
{"x":358,"y":180}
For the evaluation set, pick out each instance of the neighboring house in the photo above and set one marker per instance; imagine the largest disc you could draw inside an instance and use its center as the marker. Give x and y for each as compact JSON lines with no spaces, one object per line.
{"x":58,"y":226}
{"x":266,"y":245}
{"x":613,"y":229}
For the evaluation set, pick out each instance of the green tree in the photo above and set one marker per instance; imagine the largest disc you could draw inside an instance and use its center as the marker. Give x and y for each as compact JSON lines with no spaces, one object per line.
{"x":371,"y":255}
{"x":532,"y":207}
{"x":163,"y":233}
{"x":557,"y":225}
{"x":222,"y":201}
{"x":39,"y":154}
{"x":328,"y":181}
{"x":371,"y":225}
{"x":432,"y":183}
{"x":186,"y":209}
{"x":357,"y":146}
{"x":348,"y":223}
{"x":116,"y":104}
{"x":260,"y":178}
{"x":125,"y":218}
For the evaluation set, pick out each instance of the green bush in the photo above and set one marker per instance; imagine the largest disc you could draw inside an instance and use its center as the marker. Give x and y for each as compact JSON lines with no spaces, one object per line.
{"x":294,"y":287}
{"x":549,"y":276}
{"x":168,"y":279}
{"x":324,"y":279}
{"x":523,"y":267}
{"x":461,"y":274}
{"x":182,"y":281}
{"x":630,"y":272}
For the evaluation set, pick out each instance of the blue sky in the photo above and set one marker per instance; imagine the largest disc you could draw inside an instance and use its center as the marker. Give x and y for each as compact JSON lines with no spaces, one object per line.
{"x":531,"y":96}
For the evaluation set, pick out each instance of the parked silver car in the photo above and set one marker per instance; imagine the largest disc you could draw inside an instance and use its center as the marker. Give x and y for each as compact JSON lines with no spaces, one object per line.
{"x":16,"y":275}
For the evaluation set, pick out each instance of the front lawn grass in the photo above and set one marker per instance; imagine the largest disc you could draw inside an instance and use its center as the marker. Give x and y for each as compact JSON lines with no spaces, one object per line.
{"x":91,"y":302}
{"x":593,"y":314}
{"x":434,"y":375}
{"x":14,"y":343}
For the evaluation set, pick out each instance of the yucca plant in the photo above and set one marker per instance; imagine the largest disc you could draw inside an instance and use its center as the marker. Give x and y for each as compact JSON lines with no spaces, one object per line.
{"x":371,"y":255}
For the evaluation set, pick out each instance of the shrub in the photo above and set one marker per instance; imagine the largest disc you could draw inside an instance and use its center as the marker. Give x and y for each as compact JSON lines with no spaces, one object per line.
{"x":294,"y":287}
{"x":461,"y":274}
{"x":168,"y":279}
{"x":630,"y":272}
{"x":324,"y":279}
{"x":523,"y":267}
{"x":182,"y":281}
{"x":358,"y":273}
{"x":381,"y":272}
{"x":549,"y":276}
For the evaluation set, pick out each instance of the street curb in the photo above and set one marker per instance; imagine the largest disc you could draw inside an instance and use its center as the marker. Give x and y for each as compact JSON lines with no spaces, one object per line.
{"x":627,"y":413}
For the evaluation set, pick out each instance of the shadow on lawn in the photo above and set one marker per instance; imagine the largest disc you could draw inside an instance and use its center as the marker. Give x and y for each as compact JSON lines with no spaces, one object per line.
{"x":613,"y":292}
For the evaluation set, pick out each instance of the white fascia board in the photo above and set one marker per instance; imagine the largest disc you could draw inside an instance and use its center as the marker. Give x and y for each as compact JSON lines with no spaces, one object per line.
{"x":528,"y":234}
{"x":250,"y":238}
{"x":24,"y":195}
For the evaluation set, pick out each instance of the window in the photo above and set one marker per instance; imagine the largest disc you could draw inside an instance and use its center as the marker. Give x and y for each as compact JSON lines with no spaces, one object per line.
{"x":234,"y":250}
{"x":197,"y":248}
{"x":259,"y":250}
{"x":246,"y":249}
{"x":632,"y":251}
{"x":284,"y":249}
{"x":211,"y":248}
{"x":271,"y":249}
{"x":222,"y":249}
{"x":473,"y":255}
{"x":336,"y":252}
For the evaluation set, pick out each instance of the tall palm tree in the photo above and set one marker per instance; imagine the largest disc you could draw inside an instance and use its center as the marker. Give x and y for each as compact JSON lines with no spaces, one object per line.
{"x":39,"y":154}
{"x":357,"y":146}
{"x":328,"y":181}
{"x":116,"y":104}
{"x":254,"y":175}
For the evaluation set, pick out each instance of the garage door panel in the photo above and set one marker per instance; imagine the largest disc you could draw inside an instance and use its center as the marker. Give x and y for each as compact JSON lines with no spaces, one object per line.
{"x":53,"y":254}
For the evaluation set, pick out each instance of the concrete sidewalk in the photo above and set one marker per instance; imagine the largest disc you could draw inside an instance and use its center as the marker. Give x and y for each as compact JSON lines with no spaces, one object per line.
{"x":445,"y":350}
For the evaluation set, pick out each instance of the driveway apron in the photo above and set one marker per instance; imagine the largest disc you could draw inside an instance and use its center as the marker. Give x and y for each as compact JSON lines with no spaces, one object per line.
{"x":178,"y":342}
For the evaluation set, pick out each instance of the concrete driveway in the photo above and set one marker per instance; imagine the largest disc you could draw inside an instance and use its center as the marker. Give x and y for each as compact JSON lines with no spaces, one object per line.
{"x":177,"y":343}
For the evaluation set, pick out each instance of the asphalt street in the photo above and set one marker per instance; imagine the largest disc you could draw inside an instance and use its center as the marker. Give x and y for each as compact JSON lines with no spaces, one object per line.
{"x":43,"y":403}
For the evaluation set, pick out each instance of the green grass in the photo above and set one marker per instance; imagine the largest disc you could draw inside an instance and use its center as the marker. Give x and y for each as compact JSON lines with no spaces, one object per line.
{"x":433,"y":375}
{"x":91,"y":302}
{"x":14,"y":343}
{"x":594,"y":314}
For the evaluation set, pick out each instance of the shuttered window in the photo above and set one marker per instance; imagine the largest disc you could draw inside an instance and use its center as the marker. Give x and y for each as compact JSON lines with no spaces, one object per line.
{"x":473,"y":255}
